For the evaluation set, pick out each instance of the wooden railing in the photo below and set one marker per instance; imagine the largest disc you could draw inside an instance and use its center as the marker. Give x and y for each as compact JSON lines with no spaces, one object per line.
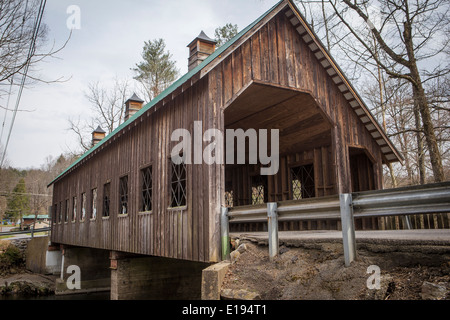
{"x":431,"y":198}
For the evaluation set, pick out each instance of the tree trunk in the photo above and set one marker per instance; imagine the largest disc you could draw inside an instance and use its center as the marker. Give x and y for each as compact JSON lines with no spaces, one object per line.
{"x":420,"y":100}
{"x":420,"y":151}
{"x":428,"y":129}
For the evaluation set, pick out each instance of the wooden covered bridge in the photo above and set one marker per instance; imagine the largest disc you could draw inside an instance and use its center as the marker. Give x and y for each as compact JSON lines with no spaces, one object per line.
{"x":126,"y":195}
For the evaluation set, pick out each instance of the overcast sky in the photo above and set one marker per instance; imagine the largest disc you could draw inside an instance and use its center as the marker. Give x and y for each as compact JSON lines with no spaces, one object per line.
{"x":108,"y":43}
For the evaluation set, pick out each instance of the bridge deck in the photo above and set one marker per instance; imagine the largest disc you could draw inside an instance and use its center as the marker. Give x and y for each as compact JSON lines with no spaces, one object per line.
{"x":394,"y":237}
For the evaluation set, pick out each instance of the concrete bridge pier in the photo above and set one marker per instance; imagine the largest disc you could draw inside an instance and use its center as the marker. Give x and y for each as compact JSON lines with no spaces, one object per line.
{"x":155,"y":278}
{"x":83,"y":270}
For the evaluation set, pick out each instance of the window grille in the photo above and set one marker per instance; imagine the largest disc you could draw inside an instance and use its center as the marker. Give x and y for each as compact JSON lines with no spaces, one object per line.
{"x":229,"y":196}
{"x":259,"y":189}
{"x":303,"y":182}
{"x":178,"y":185}
{"x":146,"y":194}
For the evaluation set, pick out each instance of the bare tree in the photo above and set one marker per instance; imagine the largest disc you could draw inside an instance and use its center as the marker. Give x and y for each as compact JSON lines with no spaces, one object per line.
{"x":22,"y":35}
{"x":407,"y":35}
{"x":108,"y":104}
{"x":108,"y":110}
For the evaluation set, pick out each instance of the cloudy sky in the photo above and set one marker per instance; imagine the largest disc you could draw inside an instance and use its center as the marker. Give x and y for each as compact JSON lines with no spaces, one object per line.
{"x":108,"y":43}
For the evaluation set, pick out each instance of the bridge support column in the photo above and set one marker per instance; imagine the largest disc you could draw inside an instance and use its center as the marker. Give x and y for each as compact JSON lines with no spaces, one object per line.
{"x":154,"y":278}
{"x":83,"y":270}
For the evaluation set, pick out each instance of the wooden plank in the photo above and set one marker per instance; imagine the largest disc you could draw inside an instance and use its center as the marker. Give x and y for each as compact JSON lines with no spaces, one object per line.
{"x":246,"y":63}
{"x":291,"y":71}
{"x":188,"y":224}
{"x":272,"y":52}
{"x":281,"y":49}
{"x":228,"y":79}
{"x":325,"y":170}
{"x":237,"y":70}
{"x":256,"y":56}
{"x":317,"y":173}
{"x":264,"y":47}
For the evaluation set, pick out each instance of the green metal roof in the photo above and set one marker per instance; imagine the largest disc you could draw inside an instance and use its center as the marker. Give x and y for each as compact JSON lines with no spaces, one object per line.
{"x":40,"y":216}
{"x":169,"y":90}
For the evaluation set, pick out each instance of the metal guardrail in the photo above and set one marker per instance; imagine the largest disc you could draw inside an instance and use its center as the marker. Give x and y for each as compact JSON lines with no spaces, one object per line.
{"x":307,"y":209}
{"x":431,"y":198}
{"x":32,"y":231}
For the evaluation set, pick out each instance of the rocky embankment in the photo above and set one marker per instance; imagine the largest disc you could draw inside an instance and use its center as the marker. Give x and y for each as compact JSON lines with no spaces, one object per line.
{"x":15,"y":280}
{"x":316,"y":271}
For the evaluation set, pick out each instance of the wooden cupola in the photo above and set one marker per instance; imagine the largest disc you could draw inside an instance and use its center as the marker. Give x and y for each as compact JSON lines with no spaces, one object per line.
{"x":133,"y":105}
{"x":97,"y":135}
{"x":199,"y":49}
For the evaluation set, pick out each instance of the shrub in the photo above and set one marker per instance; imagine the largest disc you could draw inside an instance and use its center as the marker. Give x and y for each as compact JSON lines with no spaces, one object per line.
{"x":11,"y":257}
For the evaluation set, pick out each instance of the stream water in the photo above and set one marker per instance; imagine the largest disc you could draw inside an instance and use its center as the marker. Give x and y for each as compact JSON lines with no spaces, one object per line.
{"x":82,"y":296}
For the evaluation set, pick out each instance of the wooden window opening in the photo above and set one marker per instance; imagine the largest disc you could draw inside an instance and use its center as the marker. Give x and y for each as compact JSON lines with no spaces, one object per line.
{"x":146,"y":189}
{"x":83,"y":206}
{"x":94,"y":204}
{"x":74,"y":209}
{"x":229,"y":196}
{"x":259,"y":190}
{"x":123,"y":195}
{"x":177,"y":185}
{"x":60,"y":212}
{"x":106,"y":199}
{"x":302,"y":182}
{"x":55,"y":213}
{"x":66,"y":213}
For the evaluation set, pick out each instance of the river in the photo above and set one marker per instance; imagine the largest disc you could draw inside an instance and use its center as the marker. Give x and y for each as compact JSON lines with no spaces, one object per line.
{"x":82,"y":296}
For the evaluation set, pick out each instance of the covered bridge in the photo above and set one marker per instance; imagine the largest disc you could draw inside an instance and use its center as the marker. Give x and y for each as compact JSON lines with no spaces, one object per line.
{"x":126,"y":194}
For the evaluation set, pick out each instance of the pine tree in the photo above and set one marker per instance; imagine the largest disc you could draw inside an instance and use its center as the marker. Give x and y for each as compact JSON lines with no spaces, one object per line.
{"x":157,"y":71}
{"x":18,"y":203}
{"x":225,"y":33}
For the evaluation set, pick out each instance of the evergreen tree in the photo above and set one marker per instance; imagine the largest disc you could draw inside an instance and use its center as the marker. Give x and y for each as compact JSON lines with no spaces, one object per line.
{"x":157,"y":71}
{"x":225,"y":33}
{"x":18,"y":202}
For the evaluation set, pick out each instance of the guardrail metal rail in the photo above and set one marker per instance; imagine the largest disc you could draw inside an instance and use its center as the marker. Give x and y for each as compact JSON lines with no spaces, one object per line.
{"x":430,"y":198}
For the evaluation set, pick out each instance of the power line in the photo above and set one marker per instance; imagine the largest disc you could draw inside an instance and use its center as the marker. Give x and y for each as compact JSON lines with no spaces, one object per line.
{"x":31,"y":51}
{"x":12,"y":77}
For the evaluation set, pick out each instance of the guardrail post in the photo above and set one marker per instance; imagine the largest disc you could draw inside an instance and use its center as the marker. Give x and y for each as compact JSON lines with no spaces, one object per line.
{"x":225,"y":234}
{"x":348,"y":228}
{"x":272,"y":226}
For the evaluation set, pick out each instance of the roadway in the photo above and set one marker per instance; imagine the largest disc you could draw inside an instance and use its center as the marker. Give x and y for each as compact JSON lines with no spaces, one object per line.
{"x":403,"y":237}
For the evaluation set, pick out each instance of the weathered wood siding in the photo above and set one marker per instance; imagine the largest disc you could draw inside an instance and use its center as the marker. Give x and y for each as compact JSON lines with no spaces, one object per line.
{"x":182,"y":233}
